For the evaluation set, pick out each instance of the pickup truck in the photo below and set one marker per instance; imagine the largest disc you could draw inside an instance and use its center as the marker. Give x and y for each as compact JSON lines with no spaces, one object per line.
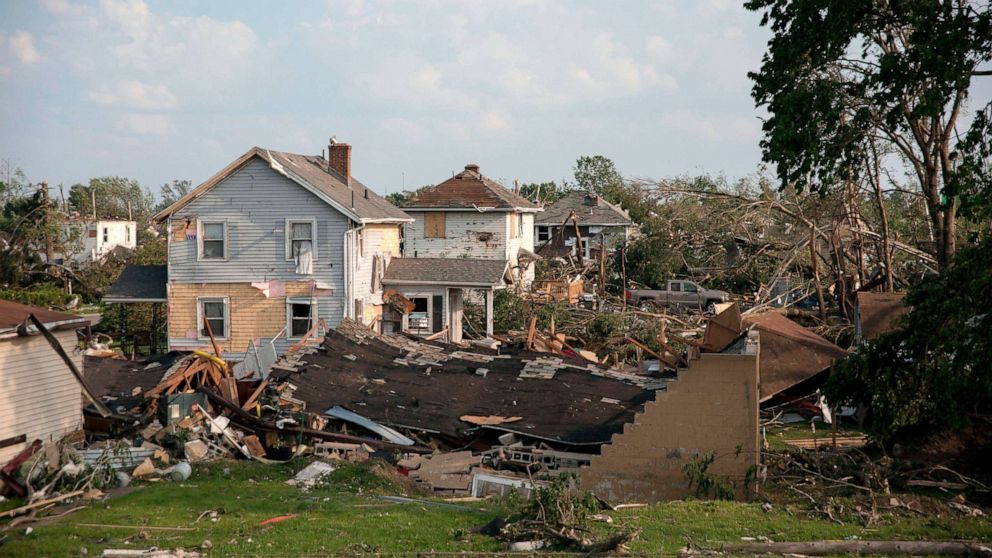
{"x":678,"y":294}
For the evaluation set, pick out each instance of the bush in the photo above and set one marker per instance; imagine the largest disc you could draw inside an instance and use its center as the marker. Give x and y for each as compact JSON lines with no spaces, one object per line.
{"x":44,"y":296}
{"x":934,"y":371}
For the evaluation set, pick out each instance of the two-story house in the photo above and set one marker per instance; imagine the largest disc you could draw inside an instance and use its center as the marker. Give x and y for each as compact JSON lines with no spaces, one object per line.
{"x":598,"y":222}
{"x":471,"y":216}
{"x":88,"y":240}
{"x":271,"y":244}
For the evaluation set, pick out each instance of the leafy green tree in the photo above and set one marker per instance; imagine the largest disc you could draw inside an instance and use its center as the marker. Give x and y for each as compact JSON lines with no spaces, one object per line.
{"x":171,"y":192}
{"x":598,"y":174}
{"x":922,"y":377}
{"x":840,"y":73}
{"x":116,"y":198}
{"x":545,"y":192}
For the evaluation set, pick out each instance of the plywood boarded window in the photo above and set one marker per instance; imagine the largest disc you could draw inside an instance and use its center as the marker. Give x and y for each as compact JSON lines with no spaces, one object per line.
{"x":434,"y":224}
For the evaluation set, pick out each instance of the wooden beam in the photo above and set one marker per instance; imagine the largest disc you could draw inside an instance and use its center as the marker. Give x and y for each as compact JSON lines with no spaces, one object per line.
{"x":255,"y":395}
{"x":489,"y":312}
{"x":531,"y":331}
{"x":100,"y":407}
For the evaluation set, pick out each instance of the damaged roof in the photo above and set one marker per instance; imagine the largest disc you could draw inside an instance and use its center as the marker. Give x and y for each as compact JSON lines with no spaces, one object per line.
{"x":790,"y":353}
{"x":139,"y":283}
{"x":112,"y":377}
{"x":445,"y":271}
{"x":312,"y":172}
{"x":589,"y":208}
{"x":468,"y":189}
{"x":878,"y":313}
{"x":405,"y":382}
{"x":14,"y":314}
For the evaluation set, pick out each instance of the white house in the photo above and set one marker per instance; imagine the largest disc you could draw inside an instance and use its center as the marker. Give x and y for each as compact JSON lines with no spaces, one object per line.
{"x":40,"y":399}
{"x":471,"y":216}
{"x":89,"y":241}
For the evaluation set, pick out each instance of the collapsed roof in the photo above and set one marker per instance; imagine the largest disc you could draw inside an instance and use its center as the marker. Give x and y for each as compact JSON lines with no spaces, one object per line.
{"x":589,"y":208}
{"x":879,"y":313}
{"x":406,"y":382}
{"x":790,"y":353}
{"x":468,"y":189}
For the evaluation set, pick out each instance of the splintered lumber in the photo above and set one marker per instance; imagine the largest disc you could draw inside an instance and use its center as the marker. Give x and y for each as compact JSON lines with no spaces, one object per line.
{"x":648,"y":350}
{"x":229,"y":388}
{"x":531,"y":331}
{"x":831,"y":548}
{"x":41,"y":503}
{"x":170,"y":383}
{"x":488,"y":420}
{"x":255,"y":395}
{"x":100,"y":407}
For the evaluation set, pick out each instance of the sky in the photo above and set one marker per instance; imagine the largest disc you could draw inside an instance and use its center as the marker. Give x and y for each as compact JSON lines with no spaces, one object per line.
{"x":158,"y":91}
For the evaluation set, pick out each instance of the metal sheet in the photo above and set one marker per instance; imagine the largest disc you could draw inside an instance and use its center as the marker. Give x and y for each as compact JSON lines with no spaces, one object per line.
{"x":386,"y":432}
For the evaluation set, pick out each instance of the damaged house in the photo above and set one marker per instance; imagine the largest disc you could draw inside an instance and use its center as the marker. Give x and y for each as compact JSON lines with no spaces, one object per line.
{"x":39,"y":397}
{"x":587,"y":216}
{"x":471,"y":216}
{"x":273,"y":244}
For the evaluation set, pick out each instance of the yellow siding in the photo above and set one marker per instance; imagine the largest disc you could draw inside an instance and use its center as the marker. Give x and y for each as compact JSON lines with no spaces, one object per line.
{"x":252,"y":315}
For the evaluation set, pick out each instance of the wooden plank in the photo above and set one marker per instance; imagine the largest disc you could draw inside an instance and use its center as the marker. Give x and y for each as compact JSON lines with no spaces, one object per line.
{"x":255,"y":395}
{"x":531,"y":331}
{"x":100,"y":407}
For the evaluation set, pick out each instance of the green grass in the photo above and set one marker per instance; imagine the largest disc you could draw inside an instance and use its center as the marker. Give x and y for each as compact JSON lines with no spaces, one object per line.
{"x":345,"y":517}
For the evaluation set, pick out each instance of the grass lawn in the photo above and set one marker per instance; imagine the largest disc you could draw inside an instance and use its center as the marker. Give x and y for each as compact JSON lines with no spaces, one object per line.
{"x":345,"y":517}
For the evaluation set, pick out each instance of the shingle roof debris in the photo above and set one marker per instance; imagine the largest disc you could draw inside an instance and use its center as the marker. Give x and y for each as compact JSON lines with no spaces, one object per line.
{"x":467,"y":190}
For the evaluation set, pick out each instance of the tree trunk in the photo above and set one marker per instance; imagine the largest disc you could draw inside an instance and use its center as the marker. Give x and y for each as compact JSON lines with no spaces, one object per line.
{"x":876,"y":182}
{"x":816,"y":274}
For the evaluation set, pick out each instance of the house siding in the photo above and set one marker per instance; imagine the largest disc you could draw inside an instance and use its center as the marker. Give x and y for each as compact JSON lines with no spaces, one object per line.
{"x":377,"y":239}
{"x":526,"y":241}
{"x":467,"y":234}
{"x":39,"y":397}
{"x":255,"y":202}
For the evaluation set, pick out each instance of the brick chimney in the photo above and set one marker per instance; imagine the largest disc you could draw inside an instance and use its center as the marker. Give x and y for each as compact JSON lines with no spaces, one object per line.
{"x":472,"y":167}
{"x":339,"y":159}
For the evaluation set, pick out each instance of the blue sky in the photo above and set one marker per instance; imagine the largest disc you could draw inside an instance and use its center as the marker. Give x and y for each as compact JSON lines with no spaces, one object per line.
{"x":176,"y":90}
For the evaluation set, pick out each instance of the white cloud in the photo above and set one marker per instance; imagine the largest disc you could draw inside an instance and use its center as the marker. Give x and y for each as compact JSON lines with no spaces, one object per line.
{"x":61,"y":7}
{"x":135,"y":94}
{"x":145,"y":124}
{"x":658,"y":48}
{"x":711,"y":127}
{"x":22,"y":47}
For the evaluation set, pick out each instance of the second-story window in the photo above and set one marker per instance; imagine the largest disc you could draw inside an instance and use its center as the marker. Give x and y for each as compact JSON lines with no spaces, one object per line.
{"x":434,"y":224}
{"x":106,"y":234}
{"x":213,"y":243}
{"x":127,"y":234}
{"x":300,"y":235}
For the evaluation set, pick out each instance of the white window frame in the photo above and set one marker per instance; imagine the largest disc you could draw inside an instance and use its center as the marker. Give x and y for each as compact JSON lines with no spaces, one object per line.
{"x":199,"y":239}
{"x":227,"y":317}
{"x":430,"y":310}
{"x":314,"y":309}
{"x":289,"y":237}
{"x":545,"y":231}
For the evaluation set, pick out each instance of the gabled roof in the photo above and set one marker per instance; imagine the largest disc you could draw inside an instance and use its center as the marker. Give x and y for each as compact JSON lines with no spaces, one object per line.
{"x":445,"y":271}
{"x":14,"y":314}
{"x":468,"y":189}
{"x":139,"y":283}
{"x":589,"y":208}
{"x":356,"y":201}
{"x":790,"y":353}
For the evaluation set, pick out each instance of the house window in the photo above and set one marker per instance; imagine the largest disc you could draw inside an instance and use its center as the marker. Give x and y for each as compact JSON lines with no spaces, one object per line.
{"x":213,"y":240}
{"x":543,"y":234}
{"x":418,"y":322}
{"x":106,"y":234}
{"x":434,"y":224}
{"x":214,"y":311}
{"x":301,"y":313}
{"x":299,"y":235}
{"x":127,"y":234}
{"x":520,"y":225}
{"x":514,"y":225}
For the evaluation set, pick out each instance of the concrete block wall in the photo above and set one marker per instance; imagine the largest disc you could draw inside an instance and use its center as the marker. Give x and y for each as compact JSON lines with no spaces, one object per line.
{"x":711,"y":407}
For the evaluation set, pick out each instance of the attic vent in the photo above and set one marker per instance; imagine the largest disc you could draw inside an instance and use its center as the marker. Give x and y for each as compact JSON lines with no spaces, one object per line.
{"x":366,"y":193}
